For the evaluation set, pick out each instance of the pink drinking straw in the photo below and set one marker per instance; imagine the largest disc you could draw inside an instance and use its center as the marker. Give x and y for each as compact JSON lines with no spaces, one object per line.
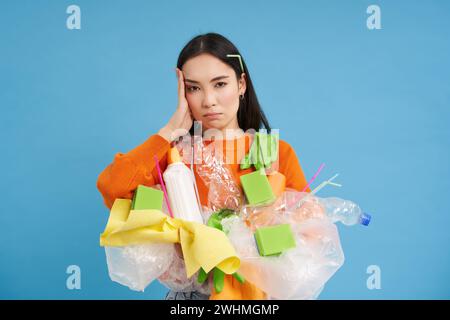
{"x":162,"y":184}
{"x":314,"y":177}
{"x":309,"y":183}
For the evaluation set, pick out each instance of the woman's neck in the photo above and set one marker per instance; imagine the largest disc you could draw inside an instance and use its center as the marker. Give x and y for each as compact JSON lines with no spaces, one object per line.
{"x":225,"y":134}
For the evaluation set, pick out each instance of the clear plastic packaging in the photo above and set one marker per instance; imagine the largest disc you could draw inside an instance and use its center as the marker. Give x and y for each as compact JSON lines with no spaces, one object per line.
{"x":137,"y":266}
{"x":345,"y":211}
{"x":303,"y":271}
{"x":297,"y":273}
{"x":174,"y":278}
{"x":223,"y":192}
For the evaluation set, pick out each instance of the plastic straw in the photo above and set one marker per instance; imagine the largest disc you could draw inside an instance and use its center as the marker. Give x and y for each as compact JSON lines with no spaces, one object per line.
{"x":163,"y":185}
{"x":319,"y":187}
{"x":323,"y":184}
{"x":197,"y":195}
{"x":314,"y":177}
{"x":306,"y":187}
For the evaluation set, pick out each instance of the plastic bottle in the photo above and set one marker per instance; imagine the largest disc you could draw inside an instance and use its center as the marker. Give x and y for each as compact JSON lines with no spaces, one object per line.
{"x":180,"y":188}
{"x":345,"y":211}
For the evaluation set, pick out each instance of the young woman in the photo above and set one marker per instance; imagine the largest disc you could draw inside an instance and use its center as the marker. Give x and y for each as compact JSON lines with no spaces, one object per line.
{"x":214,"y":88}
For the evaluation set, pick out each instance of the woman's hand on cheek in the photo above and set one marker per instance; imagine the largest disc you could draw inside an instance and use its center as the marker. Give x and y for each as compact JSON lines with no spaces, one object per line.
{"x":182,"y":118}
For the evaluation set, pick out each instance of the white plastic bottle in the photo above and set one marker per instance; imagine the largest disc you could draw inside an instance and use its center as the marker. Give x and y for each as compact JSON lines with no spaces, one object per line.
{"x":180,"y":189}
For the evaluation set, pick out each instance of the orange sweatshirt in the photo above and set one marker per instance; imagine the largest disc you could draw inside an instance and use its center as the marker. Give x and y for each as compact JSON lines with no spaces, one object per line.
{"x":127,"y":171}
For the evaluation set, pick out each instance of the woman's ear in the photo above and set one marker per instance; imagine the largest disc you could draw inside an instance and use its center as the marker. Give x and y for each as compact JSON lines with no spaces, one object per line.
{"x":242,"y":84}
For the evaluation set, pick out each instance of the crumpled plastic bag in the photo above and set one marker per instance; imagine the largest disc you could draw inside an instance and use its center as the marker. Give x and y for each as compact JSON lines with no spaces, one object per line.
{"x":300,"y":272}
{"x":137,"y":266}
{"x":223,"y":192}
{"x":174,"y":278}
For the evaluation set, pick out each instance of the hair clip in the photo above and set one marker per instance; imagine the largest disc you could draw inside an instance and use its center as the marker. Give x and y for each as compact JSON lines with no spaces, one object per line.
{"x":240,"y":59}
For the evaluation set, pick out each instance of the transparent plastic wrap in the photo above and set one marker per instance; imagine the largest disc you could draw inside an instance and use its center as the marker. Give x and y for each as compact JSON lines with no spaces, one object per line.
{"x":300,"y":272}
{"x":293,"y":206}
{"x":174,"y":278}
{"x":224,"y":192}
{"x":301,"y":206}
{"x":137,"y":266}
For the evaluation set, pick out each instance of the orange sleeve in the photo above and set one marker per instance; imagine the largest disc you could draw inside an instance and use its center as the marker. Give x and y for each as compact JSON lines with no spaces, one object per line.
{"x":127,"y":171}
{"x":289,"y":165}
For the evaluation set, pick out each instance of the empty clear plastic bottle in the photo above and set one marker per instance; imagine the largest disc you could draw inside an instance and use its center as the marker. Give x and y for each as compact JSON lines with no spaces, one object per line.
{"x":345,"y":211}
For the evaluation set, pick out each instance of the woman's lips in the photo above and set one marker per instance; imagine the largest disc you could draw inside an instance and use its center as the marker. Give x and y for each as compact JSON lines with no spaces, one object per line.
{"x":213,"y":115}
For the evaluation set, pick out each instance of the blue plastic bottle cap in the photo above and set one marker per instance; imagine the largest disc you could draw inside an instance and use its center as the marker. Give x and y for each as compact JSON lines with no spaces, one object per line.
{"x":365,"y":219}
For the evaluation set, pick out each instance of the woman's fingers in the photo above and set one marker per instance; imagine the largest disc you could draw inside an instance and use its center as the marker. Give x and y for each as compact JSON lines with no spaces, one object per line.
{"x":179,"y":83}
{"x":181,"y":90}
{"x":182,"y":118}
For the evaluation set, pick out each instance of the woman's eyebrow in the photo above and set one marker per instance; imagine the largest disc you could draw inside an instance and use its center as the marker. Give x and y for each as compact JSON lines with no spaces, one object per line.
{"x":212,"y":80}
{"x":218,"y":78}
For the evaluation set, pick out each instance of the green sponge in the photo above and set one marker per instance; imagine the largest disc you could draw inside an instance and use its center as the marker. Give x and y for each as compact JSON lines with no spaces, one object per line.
{"x":257,"y":187}
{"x":274,"y":239}
{"x":147,"y":198}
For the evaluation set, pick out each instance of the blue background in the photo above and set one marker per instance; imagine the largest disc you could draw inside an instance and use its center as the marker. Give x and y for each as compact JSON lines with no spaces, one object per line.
{"x":372,"y":104}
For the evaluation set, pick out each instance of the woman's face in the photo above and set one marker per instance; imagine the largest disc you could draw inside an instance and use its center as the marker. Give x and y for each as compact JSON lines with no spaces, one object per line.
{"x":212,"y":92}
